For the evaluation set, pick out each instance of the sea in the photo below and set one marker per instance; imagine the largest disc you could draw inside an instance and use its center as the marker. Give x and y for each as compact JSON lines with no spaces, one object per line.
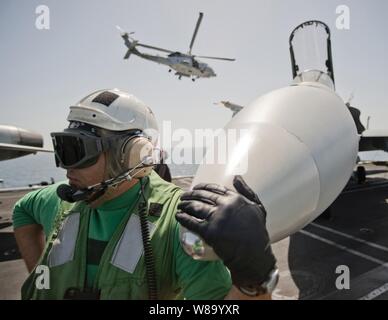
{"x":40,"y":168}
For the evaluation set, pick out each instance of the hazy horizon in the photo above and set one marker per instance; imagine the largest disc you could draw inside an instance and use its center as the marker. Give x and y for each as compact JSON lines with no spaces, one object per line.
{"x":45,"y":71}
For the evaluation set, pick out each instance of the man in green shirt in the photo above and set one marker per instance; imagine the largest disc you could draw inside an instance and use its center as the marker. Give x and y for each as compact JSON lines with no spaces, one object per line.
{"x":112,"y":233}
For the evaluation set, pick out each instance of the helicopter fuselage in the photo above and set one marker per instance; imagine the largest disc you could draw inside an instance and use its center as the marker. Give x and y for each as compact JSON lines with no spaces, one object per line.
{"x":189,"y":66}
{"x":184,"y":65}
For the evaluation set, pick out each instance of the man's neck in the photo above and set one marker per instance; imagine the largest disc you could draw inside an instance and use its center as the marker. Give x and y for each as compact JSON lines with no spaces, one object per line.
{"x":114,"y":192}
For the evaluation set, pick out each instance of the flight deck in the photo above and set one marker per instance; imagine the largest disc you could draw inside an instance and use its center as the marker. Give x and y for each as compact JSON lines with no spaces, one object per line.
{"x":348,"y":240}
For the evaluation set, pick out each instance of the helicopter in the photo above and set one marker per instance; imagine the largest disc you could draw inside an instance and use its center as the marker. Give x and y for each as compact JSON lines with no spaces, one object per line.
{"x":185,"y":64}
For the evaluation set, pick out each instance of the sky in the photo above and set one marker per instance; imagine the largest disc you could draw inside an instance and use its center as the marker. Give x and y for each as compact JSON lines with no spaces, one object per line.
{"x":43,"y":72}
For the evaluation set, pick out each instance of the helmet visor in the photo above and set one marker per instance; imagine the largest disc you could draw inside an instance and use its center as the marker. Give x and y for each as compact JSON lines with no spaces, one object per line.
{"x":76,"y":149}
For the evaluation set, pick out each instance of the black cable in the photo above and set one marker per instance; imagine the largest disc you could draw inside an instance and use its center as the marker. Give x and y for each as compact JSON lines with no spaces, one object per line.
{"x":148,"y":255}
{"x":98,"y":194}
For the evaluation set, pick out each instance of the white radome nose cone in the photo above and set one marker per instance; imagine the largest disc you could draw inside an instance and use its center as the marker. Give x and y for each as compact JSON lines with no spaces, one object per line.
{"x":298,"y":152}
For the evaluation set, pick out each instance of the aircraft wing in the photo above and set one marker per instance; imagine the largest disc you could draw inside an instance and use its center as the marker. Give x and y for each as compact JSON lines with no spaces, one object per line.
{"x":374,"y":140}
{"x":375,"y":133}
{"x":235,"y":108}
{"x":18,"y":147}
{"x":370,"y":139}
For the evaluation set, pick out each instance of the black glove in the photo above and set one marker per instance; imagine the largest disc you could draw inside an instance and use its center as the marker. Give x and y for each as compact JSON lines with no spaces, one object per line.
{"x":234,"y":225}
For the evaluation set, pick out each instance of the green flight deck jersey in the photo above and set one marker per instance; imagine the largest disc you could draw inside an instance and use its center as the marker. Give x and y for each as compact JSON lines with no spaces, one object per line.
{"x":102,"y":250}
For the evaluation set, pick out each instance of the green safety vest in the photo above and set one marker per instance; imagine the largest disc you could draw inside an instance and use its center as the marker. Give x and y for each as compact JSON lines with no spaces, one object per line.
{"x":122,"y":272}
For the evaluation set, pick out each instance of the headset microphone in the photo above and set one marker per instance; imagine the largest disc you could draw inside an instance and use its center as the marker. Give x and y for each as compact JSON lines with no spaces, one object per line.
{"x":70,"y":194}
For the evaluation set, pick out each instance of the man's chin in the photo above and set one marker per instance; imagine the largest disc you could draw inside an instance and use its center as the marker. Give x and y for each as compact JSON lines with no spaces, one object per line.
{"x":76,"y":185}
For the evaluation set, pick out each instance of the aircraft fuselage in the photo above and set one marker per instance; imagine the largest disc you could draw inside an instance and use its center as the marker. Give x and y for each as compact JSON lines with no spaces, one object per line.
{"x":17,"y":142}
{"x":183,"y":65}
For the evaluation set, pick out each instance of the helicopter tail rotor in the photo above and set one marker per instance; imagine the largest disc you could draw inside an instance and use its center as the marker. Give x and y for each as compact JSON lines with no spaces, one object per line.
{"x":129,"y":41}
{"x":125,"y":34}
{"x":131,"y":48}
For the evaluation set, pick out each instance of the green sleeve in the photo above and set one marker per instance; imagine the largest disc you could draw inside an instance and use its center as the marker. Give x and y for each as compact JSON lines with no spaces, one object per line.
{"x":200,"y":280}
{"x":37,"y":207}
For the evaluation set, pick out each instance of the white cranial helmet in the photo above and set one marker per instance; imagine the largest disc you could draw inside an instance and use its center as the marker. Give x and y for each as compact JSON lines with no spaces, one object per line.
{"x":113,"y":110}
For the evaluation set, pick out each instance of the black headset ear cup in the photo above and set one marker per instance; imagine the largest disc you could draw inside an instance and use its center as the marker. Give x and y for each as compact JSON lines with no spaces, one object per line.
{"x":134,"y":151}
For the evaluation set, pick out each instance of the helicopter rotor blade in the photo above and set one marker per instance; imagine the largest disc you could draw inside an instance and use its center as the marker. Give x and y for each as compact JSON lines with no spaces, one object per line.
{"x":124,"y":33}
{"x":195,"y":31}
{"x":154,"y":48}
{"x":216,"y":58}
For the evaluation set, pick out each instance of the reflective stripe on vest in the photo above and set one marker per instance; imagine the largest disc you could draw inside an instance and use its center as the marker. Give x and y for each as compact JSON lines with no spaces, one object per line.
{"x":129,"y":248}
{"x":127,"y":252}
{"x":63,"y":247}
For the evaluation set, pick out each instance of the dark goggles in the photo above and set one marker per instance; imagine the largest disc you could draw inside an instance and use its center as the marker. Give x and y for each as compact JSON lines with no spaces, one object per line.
{"x":78,"y":148}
